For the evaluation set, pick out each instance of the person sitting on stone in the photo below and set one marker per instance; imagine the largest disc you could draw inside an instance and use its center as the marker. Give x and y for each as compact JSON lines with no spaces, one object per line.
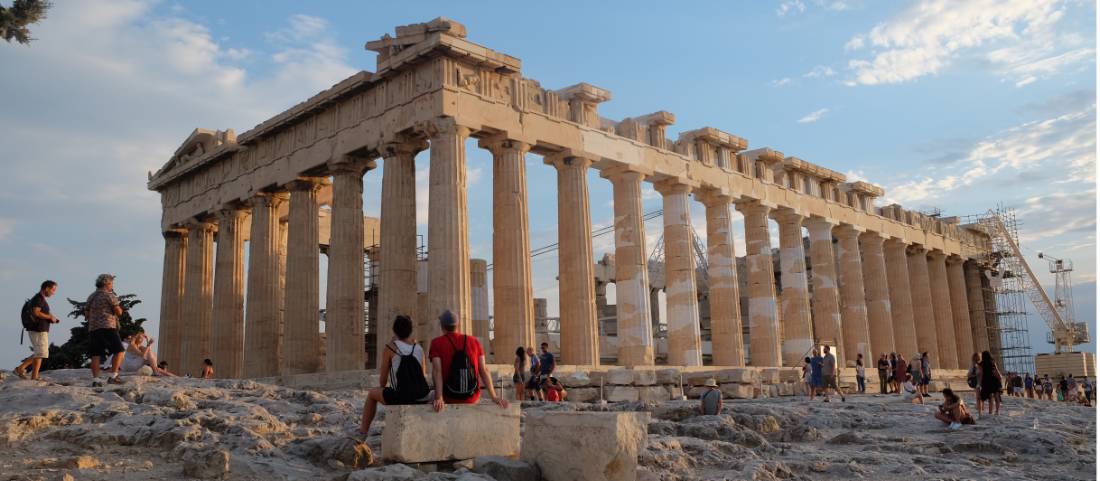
{"x":534,"y":380}
{"x":207,"y":369}
{"x":710,"y":402}
{"x":139,"y":353}
{"x":458,"y":367}
{"x":163,"y":366}
{"x":402,"y":377}
{"x":953,"y":411}
{"x":910,"y":392}
{"x":553,"y":390}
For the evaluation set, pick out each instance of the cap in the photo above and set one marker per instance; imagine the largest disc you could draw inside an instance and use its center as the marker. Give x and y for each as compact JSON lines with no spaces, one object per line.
{"x":103,"y":279}
{"x":710,"y":383}
{"x":447,"y":319}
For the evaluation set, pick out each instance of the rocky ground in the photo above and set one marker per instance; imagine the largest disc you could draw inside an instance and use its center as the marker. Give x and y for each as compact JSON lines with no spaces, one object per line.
{"x":155,"y":428}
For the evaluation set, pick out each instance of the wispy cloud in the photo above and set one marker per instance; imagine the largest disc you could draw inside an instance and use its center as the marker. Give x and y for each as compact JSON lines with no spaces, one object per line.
{"x":6,"y":227}
{"x":813,"y":116}
{"x":783,"y":82}
{"x":820,"y":71}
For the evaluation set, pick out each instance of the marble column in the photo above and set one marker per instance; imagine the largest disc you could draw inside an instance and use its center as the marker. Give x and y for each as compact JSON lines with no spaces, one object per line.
{"x":727,"y":344}
{"x":397,"y":257}
{"x":448,"y":235}
{"x":576,"y":284}
{"x":261,"y":309}
{"x":684,"y":343}
{"x":198,"y":302}
{"x":228,"y":341}
{"x":301,"y":317}
{"x":826,"y":306}
{"x":479,"y":308}
{"x":632,"y":305}
{"x":798,"y":338}
{"x":763,"y":316}
{"x":344,"y":311}
{"x":941,"y":309}
{"x":901,"y":297}
{"x":923,"y":316}
{"x":976,"y":303}
{"x":877,"y":295}
{"x":853,"y":314}
{"x":960,"y":311}
{"x":171,"y":297}
{"x":513,"y":293}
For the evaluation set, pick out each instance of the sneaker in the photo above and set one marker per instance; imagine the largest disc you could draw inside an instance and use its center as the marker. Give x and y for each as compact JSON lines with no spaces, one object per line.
{"x":115,"y":380}
{"x":954,"y":426}
{"x":843,"y":399}
{"x":97,"y":383}
{"x":20,"y":372}
{"x":826,"y":399}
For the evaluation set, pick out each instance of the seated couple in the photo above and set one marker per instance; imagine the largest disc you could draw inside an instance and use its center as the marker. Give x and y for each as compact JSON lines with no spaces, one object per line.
{"x":139,"y":353}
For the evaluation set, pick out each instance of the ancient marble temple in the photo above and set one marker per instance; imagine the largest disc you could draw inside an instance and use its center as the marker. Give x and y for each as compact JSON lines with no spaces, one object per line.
{"x":291,"y":190}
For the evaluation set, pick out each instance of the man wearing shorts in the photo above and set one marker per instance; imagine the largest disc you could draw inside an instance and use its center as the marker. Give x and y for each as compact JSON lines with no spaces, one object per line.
{"x":829,"y":375}
{"x":40,"y":332}
{"x":102,"y":310}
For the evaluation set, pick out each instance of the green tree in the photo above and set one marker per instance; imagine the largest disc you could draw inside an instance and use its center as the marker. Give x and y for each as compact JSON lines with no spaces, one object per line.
{"x":74,"y":352}
{"x":16,"y":19}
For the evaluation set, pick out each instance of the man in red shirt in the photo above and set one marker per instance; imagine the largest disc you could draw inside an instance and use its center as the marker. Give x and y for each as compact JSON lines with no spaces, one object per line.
{"x":441,"y":352}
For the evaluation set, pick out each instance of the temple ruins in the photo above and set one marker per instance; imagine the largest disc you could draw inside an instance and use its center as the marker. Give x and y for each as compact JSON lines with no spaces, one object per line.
{"x":869,"y":279}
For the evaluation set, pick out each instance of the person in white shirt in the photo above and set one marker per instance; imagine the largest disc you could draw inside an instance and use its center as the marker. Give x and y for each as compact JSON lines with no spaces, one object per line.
{"x":909,"y":391}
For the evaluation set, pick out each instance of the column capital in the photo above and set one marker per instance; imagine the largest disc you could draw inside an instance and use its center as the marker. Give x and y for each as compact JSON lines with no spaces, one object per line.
{"x":937,"y":255}
{"x":440,"y":127}
{"x":848,"y":230}
{"x":232,"y":211}
{"x":872,"y":236}
{"x":713,"y":197}
{"x":306,"y":183}
{"x":175,"y":232}
{"x":788,"y":215}
{"x":406,"y":148}
{"x":267,"y":199}
{"x":626,"y":172}
{"x":955,"y":259}
{"x":915,"y":249}
{"x":352,"y":164}
{"x":747,"y":206}
{"x":819,"y":225}
{"x":498,"y":144}
{"x":674,"y":186}
{"x":196,"y":224}
{"x":565,"y":161}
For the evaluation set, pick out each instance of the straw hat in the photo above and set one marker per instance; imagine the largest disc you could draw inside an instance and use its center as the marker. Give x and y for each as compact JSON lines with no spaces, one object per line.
{"x":710,"y":383}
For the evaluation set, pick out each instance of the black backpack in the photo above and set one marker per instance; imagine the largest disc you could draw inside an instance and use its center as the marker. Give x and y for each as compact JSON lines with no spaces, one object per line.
{"x":30,"y":323}
{"x":408,"y":382}
{"x":461,"y":382}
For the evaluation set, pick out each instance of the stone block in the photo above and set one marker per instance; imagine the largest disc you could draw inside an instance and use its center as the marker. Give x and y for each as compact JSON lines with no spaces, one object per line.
{"x":698,"y":378}
{"x":584,"y":394}
{"x":576,"y":379}
{"x":743,"y":375}
{"x":596,"y":377}
{"x":391,"y":472}
{"x":418,"y":434}
{"x":621,"y":393}
{"x":737,"y":391}
{"x":668,"y":376}
{"x":569,"y":446}
{"x":790,"y":375}
{"x":772,"y":390}
{"x":506,"y":469}
{"x":769,"y":375}
{"x":653,"y":393}
{"x":675,"y":391}
{"x":645,"y":377}
{"x":620,"y":377}
{"x":695,"y":392}
{"x":787,"y":389}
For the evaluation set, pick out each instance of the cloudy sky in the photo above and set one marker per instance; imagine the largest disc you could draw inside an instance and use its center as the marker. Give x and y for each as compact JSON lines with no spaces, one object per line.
{"x":960,"y":106}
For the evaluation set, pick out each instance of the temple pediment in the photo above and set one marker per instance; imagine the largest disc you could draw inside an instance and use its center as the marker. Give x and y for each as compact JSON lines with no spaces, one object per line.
{"x":198,"y":144}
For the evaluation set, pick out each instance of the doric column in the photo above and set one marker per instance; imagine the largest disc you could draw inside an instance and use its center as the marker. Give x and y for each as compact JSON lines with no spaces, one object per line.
{"x":901,"y":300}
{"x":877,"y":295}
{"x":763,"y":317}
{"x":826,"y":307}
{"x":448,"y":234}
{"x":513,"y":295}
{"x":684,"y":343}
{"x":941,"y":309}
{"x":171,"y":297}
{"x":960,"y":311}
{"x":923,"y":317}
{"x":229,"y":293}
{"x":262,"y":329}
{"x":576,"y":284}
{"x":301,"y":316}
{"x":976,"y":304}
{"x":632,"y":305}
{"x":479,"y":306}
{"x":397,"y":256}
{"x":857,"y":337}
{"x":198,"y":302}
{"x":797,"y":329}
{"x":727,"y":345}
{"x":344,"y":315}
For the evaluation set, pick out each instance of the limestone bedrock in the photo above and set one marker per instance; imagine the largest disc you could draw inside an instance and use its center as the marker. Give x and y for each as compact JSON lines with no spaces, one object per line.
{"x":564,"y":444}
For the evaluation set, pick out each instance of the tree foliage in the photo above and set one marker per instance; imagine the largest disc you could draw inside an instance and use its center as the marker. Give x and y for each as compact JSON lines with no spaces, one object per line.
{"x":15,"y":20}
{"x":74,"y":352}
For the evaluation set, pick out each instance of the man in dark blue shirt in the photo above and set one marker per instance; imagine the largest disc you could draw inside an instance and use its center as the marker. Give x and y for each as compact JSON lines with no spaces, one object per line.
{"x":40,"y":333}
{"x":546,"y":361}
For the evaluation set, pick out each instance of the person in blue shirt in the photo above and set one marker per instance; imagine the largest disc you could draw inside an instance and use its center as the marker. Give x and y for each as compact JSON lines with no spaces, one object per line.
{"x":816,"y":379}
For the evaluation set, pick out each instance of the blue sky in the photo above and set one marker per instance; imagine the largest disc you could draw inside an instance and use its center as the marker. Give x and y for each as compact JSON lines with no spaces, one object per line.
{"x":958,"y":105}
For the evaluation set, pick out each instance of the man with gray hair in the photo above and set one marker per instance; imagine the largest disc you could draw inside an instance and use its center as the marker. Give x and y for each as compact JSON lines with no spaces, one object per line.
{"x":102,"y":310}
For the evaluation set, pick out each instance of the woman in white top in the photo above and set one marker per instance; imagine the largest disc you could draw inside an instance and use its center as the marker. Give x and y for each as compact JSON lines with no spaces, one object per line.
{"x":396,"y":385}
{"x":909,"y":391}
{"x":139,"y":353}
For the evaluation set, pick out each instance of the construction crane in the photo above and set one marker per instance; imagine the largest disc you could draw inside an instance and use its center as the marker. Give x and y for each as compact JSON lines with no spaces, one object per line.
{"x":1058,"y":313}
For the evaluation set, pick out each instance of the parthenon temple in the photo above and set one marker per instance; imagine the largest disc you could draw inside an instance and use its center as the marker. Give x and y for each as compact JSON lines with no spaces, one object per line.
{"x":870,"y":279}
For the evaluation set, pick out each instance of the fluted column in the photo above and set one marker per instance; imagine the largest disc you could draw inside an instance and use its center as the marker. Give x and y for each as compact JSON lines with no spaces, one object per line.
{"x":857,"y":337}
{"x":727,"y":345}
{"x":877,"y":295}
{"x":684,"y":343}
{"x":923,"y":316}
{"x":941,"y":309}
{"x":229,"y":293}
{"x":763,"y":316}
{"x":261,"y":309}
{"x":576,"y":284}
{"x":448,"y":228}
{"x":479,"y":306}
{"x":171,"y":297}
{"x":960,"y":311}
{"x":632,"y":305}
{"x":397,"y":250}
{"x":826,"y":307}
{"x":301,"y":316}
{"x":344,"y":314}
{"x":976,"y":303}
{"x":198,"y":303}
{"x":901,"y":297}
{"x":797,"y":329}
{"x":513,"y":294}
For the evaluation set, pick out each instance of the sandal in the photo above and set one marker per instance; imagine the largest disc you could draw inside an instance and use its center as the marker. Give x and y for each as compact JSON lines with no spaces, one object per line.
{"x":20,"y":372}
